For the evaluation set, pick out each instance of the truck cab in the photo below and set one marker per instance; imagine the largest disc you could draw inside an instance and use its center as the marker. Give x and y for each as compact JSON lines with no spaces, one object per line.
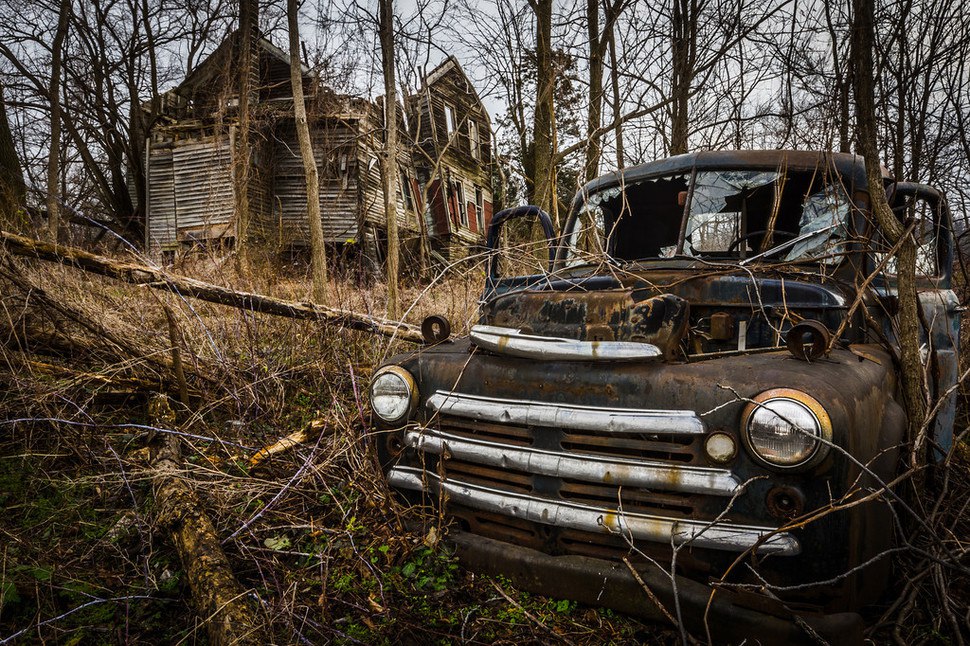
{"x":691,"y":414}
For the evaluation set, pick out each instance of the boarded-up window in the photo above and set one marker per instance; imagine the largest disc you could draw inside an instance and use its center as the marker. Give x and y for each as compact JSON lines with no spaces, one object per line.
{"x":473,"y":139}
{"x":161,"y":198}
{"x":204,"y":203}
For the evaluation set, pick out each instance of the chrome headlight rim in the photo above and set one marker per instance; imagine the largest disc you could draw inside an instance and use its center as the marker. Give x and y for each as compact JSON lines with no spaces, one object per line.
{"x":408,"y":379}
{"x":823,"y":436}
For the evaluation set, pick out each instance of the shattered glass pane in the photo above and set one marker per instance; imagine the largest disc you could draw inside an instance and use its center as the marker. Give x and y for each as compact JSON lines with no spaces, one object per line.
{"x":715,"y":216}
{"x":630,"y":221}
{"x":607,"y":194}
{"x":777,"y":216}
{"x":824,"y":217}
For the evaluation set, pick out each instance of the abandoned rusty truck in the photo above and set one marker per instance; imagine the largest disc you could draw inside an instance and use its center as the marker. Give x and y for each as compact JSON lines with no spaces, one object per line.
{"x":678,"y":417}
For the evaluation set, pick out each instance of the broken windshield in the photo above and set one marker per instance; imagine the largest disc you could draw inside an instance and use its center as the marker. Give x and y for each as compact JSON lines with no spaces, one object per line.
{"x":737,"y":214}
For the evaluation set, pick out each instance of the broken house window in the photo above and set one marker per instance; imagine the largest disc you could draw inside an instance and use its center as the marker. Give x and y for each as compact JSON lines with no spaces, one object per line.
{"x":406,"y":191}
{"x":473,"y":139}
{"x":459,"y":193}
{"x":451,"y":125}
{"x":480,"y":209}
{"x":791,"y":216}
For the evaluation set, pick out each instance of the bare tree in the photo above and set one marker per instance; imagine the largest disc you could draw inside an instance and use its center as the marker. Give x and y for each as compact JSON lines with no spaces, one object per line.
{"x":598,"y":43}
{"x":389,"y":166}
{"x":248,"y":20}
{"x":11,"y":174}
{"x":683,"y":39}
{"x":542,"y":178}
{"x":909,"y":325}
{"x":54,"y":156}
{"x":318,"y":253}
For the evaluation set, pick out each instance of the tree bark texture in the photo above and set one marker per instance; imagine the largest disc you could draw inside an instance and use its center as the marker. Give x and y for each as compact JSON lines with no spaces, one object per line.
{"x":12,"y":187}
{"x":248,"y":11}
{"x":54,"y":155}
{"x":220,"y":601}
{"x":684,"y":52}
{"x":894,"y":230}
{"x":318,"y":252}
{"x":543,"y":155}
{"x":137,"y":274}
{"x":389,"y":167}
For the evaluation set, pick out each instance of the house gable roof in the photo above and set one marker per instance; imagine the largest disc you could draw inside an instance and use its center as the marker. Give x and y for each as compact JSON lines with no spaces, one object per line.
{"x":451,"y":65}
{"x":223,"y":58}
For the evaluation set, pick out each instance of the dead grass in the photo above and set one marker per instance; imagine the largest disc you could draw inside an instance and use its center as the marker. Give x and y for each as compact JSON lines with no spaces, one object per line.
{"x":312,"y":531}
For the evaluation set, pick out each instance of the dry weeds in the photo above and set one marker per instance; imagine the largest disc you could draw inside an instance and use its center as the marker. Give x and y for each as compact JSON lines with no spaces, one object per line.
{"x":311,"y":530}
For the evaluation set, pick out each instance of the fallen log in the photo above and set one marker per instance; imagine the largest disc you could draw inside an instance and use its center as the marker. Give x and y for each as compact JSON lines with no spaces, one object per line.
{"x":124,"y":383}
{"x":137,"y":274}
{"x":219,"y":599}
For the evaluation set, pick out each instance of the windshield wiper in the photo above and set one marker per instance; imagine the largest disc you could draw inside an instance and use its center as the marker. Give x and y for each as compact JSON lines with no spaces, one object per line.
{"x":789,"y":243}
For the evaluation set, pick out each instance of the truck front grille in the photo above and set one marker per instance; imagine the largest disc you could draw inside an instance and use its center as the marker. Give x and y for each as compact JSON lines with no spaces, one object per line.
{"x":610,"y":473}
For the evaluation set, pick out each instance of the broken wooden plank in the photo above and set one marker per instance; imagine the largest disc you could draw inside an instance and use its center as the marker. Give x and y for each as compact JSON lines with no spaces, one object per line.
{"x":312,"y":430}
{"x":138,"y":274}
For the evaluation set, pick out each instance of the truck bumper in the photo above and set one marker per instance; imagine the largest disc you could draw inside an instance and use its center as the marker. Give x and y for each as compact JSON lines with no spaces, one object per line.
{"x":731,"y":617}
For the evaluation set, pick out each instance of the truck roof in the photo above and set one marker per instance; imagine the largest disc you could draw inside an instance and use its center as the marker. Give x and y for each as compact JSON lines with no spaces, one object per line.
{"x":849,"y":165}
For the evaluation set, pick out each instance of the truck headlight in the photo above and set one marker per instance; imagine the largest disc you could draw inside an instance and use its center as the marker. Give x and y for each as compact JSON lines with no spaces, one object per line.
{"x":785,"y":428}
{"x":393,"y":393}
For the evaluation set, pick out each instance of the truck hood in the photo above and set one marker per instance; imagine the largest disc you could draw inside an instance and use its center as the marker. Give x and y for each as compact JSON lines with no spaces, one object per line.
{"x":713,"y":312}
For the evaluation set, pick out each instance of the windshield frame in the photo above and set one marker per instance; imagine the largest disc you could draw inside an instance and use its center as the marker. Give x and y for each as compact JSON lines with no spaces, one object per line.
{"x":846,"y":170}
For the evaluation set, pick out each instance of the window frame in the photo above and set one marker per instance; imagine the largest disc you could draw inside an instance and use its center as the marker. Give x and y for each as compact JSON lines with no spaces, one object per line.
{"x":480,"y":208}
{"x":474,"y":143}
{"x":459,"y":189}
{"x":451,"y":120}
{"x":406,"y":193}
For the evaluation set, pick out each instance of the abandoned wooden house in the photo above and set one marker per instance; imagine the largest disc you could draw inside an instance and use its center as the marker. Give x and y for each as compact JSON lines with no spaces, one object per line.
{"x":191,"y":151}
{"x":451,"y":132}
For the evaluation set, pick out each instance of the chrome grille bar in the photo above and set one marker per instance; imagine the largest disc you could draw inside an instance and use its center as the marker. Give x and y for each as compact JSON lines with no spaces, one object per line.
{"x":588,"y":468}
{"x":566,"y":416}
{"x":513,"y":343}
{"x":720,"y":536}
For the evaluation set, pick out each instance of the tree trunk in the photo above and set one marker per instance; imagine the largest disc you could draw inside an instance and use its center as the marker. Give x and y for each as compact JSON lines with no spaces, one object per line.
{"x":909,"y":324}
{"x":54,"y":157}
{"x":617,"y":106}
{"x":248,"y":12}
{"x":543,"y":156}
{"x":595,"y":113}
{"x":318,"y":253}
{"x":840,"y":73}
{"x":683,"y":46}
{"x":389,"y":167}
{"x":11,"y":174}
